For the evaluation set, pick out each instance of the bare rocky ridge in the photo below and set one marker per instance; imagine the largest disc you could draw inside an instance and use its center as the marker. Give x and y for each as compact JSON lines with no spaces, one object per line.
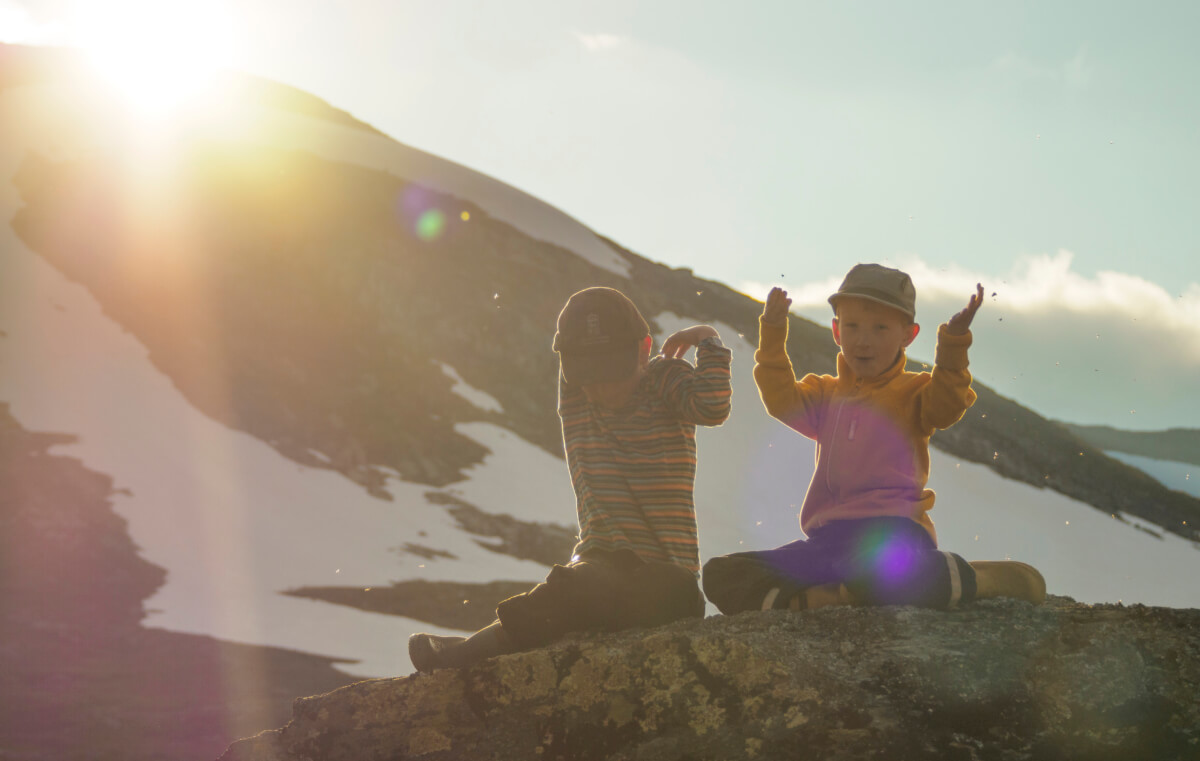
{"x":1177,"y":444}
{"x":993,"y":680}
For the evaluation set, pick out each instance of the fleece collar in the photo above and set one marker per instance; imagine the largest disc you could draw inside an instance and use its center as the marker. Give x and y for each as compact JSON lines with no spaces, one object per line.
{"x":847,"y":379}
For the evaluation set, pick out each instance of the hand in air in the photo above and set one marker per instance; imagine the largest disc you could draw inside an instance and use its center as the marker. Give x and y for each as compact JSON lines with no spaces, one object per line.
{"x":775,"y":310}
{"x":960,"y":323}
{"x":678,"y":343}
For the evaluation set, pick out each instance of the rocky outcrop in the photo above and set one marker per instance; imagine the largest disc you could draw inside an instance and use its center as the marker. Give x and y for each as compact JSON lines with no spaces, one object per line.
{"x":994,"y":680}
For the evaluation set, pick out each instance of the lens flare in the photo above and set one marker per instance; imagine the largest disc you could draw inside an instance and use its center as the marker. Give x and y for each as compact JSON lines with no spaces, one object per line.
{"x":430,"y":225}
{"x":417,"y":206}
{"x":893,"y":557}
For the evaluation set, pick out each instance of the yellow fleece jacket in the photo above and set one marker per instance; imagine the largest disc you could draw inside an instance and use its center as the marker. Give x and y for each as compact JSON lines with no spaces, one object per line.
{"x":872,"y":435}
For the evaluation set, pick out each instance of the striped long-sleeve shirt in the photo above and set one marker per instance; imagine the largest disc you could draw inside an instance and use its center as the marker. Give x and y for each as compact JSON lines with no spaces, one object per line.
{"x":633,"y":469}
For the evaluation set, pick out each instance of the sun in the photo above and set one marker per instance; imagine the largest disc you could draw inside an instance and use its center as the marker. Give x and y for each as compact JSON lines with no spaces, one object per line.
{"x":156,"y":56}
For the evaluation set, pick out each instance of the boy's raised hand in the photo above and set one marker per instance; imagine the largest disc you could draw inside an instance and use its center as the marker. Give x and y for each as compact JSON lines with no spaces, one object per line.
{"x":678,"y":343}
{"x":775,"y":310}
{"x":960,"y":323}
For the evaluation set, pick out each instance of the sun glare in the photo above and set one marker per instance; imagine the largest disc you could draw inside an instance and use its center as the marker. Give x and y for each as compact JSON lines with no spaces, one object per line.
{"x":156,"y":56}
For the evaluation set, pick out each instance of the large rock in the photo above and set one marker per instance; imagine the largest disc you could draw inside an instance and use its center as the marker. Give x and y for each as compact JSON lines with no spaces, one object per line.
{"x":994,"y":680}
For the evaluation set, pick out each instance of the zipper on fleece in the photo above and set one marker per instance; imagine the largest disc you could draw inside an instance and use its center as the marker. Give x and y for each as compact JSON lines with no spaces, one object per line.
{"x":837,"y":420}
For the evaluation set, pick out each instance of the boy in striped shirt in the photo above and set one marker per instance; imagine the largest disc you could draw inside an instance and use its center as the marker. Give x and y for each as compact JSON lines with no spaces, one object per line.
{"x":629,"y":432}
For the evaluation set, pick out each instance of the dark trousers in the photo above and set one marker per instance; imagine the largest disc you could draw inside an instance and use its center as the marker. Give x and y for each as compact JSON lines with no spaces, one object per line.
{"x":882,"y":561}
{"x":602,"y":591}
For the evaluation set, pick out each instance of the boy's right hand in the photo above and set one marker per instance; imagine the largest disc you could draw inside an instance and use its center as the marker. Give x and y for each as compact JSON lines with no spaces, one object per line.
{"x":960,"y":323}
{"x":775,"y":310}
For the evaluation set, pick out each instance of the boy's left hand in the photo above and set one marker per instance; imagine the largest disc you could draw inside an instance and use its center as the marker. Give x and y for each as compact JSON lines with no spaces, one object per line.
{"x":960,"y":323}
{"x":678,"y":343}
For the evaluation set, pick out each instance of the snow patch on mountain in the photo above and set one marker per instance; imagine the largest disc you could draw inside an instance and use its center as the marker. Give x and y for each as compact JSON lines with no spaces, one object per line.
{"x":517,"y":479}
{"x":480,"y":399}
{"x":232,"y":521}
{"x":1174,"y":475}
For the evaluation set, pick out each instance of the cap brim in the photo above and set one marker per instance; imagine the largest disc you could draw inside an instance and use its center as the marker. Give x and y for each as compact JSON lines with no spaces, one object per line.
{"x":583,"y":369}
{"x":868,"y":297}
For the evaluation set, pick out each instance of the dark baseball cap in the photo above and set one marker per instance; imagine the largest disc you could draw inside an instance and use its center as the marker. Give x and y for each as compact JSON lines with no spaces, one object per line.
{"x":599,"y":336}
{"x":880,"y":284}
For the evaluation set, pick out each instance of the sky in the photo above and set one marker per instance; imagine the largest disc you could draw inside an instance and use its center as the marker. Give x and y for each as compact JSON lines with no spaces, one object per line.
{"x":1046,"y":150}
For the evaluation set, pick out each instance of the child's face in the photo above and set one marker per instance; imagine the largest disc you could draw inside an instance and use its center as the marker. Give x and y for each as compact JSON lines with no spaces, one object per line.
{"x":871,"y":335}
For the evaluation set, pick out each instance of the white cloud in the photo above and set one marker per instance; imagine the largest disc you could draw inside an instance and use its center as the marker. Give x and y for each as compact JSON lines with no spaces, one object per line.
{"x":600,"y":41}
{"x":1040,"y":286}
{"x":1109,"y":348}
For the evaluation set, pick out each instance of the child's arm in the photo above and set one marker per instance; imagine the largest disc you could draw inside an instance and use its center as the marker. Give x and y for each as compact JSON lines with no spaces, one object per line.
{"x":785,"y":399}
{"x":702,"y":394}
{"x":949,"y":394}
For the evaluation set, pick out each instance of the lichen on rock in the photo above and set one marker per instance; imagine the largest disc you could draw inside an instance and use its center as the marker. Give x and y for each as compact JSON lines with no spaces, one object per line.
{"x":998,"y":679}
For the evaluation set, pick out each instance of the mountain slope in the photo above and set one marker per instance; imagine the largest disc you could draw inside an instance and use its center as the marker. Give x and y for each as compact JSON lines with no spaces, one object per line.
{"x":308,"y":258}
{"x":79,"y":678}
{"x":314,"y":364}
{"x":1175,"y":444}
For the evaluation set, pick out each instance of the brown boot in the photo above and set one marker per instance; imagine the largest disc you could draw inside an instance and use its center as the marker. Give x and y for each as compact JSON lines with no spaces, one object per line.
{"x":1008,"y":578}
{"x":429,"y":651}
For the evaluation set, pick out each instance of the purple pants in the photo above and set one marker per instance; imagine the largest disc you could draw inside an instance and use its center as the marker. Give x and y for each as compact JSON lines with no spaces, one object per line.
{"x":883,"y":561}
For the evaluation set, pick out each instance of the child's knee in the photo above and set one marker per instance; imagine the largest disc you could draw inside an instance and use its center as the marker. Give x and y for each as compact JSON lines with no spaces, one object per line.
{"x":718,"y":571}
{"x":934,"y":579}
{"x":735,"y":584}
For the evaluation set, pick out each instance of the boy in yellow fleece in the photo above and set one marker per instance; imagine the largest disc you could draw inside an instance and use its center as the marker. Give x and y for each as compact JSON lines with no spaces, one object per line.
{"x":866,"y":513}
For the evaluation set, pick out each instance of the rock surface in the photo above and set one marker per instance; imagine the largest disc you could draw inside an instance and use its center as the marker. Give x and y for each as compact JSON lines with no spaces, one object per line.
{"x":994,"y":680}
